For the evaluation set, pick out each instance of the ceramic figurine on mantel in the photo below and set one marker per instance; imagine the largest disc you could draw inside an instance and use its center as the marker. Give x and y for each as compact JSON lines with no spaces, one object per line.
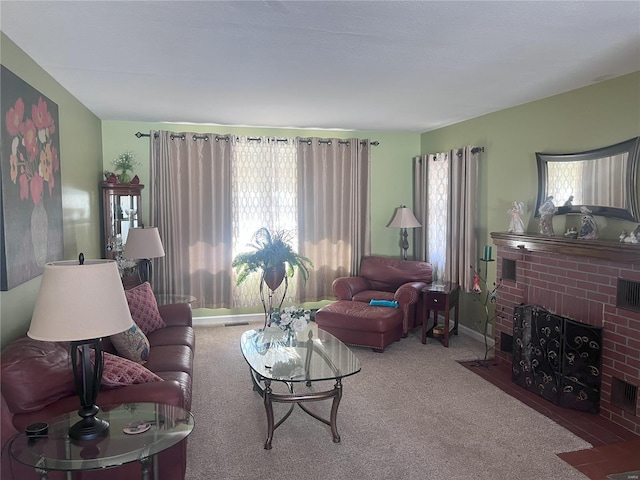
{"x":547,"y":210}
{"x":516,"y":225}
{"x":589,"y":229}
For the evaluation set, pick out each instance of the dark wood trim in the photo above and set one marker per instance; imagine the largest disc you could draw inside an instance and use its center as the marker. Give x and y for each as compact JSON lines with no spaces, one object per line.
{"x":611,"y":250}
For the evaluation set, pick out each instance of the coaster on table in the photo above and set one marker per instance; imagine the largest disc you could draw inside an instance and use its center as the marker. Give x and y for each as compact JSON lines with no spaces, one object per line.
{"x":134,"y":428}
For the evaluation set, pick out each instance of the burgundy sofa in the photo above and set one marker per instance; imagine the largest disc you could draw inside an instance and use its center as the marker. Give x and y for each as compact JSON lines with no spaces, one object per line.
{"x":354,"y":321}
{"x":37,"y":384}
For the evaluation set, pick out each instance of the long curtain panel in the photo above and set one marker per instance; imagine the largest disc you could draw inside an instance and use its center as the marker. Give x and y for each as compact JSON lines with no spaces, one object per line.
{"x":334,"y":209}
{"x":190,"y":195}
{"x":264,"y":194}
{"x":445,"y":202}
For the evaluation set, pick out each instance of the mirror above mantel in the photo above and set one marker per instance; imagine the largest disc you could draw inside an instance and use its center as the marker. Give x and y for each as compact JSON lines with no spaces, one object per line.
{"x":605,"y":180}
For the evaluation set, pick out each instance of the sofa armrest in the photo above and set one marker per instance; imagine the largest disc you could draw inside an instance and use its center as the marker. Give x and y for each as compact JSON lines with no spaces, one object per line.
{"x":176,"y":314}
{"x":409,"y":293}
{"x":346,"y":287}
{"x":406,"y":296}
{"x":167,"y":391}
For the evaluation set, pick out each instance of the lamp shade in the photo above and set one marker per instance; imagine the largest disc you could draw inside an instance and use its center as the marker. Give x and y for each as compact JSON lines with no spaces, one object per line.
{"x":80,"y":302}
{"x":143,"y":243}
{"x":404,"y":218}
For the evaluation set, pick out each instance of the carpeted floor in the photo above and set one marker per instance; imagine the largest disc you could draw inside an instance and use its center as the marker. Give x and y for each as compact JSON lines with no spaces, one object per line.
{"x":413,"y":412}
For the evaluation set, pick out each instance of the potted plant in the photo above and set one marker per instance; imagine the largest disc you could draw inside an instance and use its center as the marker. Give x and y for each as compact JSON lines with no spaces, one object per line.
{"x":273,"y":255}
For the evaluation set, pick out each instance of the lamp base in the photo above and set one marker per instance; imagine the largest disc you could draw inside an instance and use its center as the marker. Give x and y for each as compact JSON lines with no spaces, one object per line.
{"x":89,"y":428}
{"x":144,"y":270}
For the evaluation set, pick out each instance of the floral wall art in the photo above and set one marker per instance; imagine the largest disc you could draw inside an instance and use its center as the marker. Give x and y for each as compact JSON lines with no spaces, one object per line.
{"x":31,"y":200}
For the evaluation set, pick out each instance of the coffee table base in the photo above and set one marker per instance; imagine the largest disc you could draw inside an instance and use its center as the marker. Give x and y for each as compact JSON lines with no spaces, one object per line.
{"x":296,"y":399}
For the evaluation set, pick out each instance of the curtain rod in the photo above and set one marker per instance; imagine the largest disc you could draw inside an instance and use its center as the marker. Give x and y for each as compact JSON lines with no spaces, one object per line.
{"x":251,"y":139}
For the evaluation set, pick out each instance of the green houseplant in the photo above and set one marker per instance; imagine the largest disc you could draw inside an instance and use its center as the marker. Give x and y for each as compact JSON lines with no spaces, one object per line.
{"x":273,"y":255}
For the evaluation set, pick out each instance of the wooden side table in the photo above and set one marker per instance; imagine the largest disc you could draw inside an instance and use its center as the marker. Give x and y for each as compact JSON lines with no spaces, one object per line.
{"x":440,"y":298}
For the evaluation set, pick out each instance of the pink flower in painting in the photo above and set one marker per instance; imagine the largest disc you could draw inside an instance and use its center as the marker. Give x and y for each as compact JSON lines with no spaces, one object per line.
{"x":33,"y":159}
{"x":36,"y":185}
{"x":29,"y":138}
{"x":14,"y":117}
{"x":41,"y":116}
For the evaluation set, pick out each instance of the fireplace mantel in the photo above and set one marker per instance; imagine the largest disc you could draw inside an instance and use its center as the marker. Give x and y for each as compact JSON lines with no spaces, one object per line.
{"x":603,"y":249}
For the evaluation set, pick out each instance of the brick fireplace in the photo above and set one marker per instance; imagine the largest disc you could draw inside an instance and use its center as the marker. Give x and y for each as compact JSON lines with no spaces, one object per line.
{"x":596,"y":282}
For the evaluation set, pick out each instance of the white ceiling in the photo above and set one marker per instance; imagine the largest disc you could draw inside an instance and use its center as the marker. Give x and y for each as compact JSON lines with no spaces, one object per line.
{"x":361,"y":65}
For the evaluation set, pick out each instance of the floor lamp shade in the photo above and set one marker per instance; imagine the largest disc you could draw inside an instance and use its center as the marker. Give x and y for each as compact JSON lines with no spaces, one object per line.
{"x":403,"y":219}
{"x":143,"y":244}
{"x":82,"y":302}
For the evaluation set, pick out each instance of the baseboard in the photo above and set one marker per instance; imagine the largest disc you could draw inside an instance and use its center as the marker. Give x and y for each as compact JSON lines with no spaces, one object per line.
{"x":224,"y":319}
{"x":259,"y":318}
{"x":475,"y":335}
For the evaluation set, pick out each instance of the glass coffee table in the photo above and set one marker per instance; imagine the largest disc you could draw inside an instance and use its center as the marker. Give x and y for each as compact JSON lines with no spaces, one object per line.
{"x":137,"y":432}
{"x":310,"y":356}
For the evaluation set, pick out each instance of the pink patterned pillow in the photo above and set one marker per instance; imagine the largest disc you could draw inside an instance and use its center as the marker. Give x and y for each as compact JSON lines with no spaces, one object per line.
{"x":118,"y":371}
{"x":144,"y":308}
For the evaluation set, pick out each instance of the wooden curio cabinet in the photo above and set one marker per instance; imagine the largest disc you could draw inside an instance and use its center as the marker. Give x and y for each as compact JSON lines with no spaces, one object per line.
{"x":121,"y":210}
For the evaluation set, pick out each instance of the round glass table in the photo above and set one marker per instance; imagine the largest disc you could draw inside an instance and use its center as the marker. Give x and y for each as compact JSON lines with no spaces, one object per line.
{"x":137,"y":432}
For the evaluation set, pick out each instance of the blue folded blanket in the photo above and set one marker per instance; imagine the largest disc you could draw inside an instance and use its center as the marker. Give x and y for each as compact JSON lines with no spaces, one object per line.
{"x":384,"y":303}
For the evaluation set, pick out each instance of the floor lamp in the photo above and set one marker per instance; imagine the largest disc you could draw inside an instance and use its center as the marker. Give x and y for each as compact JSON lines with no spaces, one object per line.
{"x":143,"y":244}
{"x":81,"y":302}
{"x":403,"y":219}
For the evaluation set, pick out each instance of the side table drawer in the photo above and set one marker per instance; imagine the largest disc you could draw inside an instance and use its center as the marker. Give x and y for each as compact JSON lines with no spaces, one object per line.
{"x":436,"y":300}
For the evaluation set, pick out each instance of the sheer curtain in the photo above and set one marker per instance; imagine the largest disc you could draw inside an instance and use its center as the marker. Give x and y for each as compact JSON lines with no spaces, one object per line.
{"x":265,"y":194}
{"x":190,"y":195}
{"x":445,"y":201}
{"x":334,"y":209}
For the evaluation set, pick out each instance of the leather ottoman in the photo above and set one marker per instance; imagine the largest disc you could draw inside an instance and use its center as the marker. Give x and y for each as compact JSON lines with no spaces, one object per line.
{"x":360,"y":324}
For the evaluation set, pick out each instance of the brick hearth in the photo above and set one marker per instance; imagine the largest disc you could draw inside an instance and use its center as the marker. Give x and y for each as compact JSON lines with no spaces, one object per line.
{"x":577,"y":279}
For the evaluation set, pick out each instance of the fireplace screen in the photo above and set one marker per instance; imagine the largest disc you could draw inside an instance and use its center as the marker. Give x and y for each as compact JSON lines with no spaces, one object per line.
{"x":557,"y":358}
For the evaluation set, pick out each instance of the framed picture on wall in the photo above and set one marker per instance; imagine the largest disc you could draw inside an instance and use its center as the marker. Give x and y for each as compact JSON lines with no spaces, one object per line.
{"x":31,"y":200}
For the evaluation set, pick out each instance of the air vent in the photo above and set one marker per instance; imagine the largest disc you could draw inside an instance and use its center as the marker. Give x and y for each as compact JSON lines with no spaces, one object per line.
{"x":506,"y":343}
{"x":509,"y":269}
{"x":628,"y":296}
{"x":624,"y":395}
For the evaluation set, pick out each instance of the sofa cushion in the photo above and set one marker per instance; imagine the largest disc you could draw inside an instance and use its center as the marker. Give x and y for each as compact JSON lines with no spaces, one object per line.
{"x":35,"y":374}
{"x":170,"y":358}
{"x":387,"y":274}
{"x":144,"y":308}
{"x":179,"y":335}
{"x":118,"y":371}
{"x":132,"y":344}
{"x":368,"y":295}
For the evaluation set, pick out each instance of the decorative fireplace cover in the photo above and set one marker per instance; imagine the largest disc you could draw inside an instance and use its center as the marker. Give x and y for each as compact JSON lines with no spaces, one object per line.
{"x":557,"y":358}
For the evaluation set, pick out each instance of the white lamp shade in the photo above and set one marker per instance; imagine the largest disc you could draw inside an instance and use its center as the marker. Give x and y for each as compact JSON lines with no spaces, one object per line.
{"x":404,"y":218}
{"x":143,"y":243}
{"x":80,"y":302}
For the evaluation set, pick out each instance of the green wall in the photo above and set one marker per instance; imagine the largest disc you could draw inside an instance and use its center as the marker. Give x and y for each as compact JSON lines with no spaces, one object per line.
{"x":391,"y":170}
{"x":80,"y":164}
{"x":582,"y":119}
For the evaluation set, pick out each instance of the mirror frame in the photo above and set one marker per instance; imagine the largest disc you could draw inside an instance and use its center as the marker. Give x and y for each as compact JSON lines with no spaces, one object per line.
{"x":631,"y":147}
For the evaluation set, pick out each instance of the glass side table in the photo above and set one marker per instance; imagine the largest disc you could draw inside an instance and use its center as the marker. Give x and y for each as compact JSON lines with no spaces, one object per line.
{"x":152,"y":427}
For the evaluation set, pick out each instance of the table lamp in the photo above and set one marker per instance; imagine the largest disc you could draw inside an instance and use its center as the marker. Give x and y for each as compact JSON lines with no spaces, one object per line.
{"x":404,"y":219}
{"x":81,"y":302}
{"x":143,"y":244}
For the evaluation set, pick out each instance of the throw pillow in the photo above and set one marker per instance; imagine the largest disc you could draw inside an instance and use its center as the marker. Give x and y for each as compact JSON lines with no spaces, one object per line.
{"x":144,"y":308}
{"x":132,"y":344}
{"x":118,"y":371}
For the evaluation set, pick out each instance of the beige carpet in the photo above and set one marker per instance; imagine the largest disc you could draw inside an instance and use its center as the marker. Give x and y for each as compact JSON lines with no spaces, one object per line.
{"x":412,"y":413}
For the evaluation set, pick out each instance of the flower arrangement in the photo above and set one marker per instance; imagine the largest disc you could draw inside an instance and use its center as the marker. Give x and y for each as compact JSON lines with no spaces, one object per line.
{"x":33,"y":158}
{"x":290,"y":319}
{"x":125,"y":163}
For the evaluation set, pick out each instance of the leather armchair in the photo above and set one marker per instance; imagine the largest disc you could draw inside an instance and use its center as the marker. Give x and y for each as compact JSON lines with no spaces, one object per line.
{"x":382,"y":278}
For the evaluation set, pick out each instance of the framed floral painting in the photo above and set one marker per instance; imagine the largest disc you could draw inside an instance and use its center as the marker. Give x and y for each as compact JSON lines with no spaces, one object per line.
{"x":31,"y":199}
